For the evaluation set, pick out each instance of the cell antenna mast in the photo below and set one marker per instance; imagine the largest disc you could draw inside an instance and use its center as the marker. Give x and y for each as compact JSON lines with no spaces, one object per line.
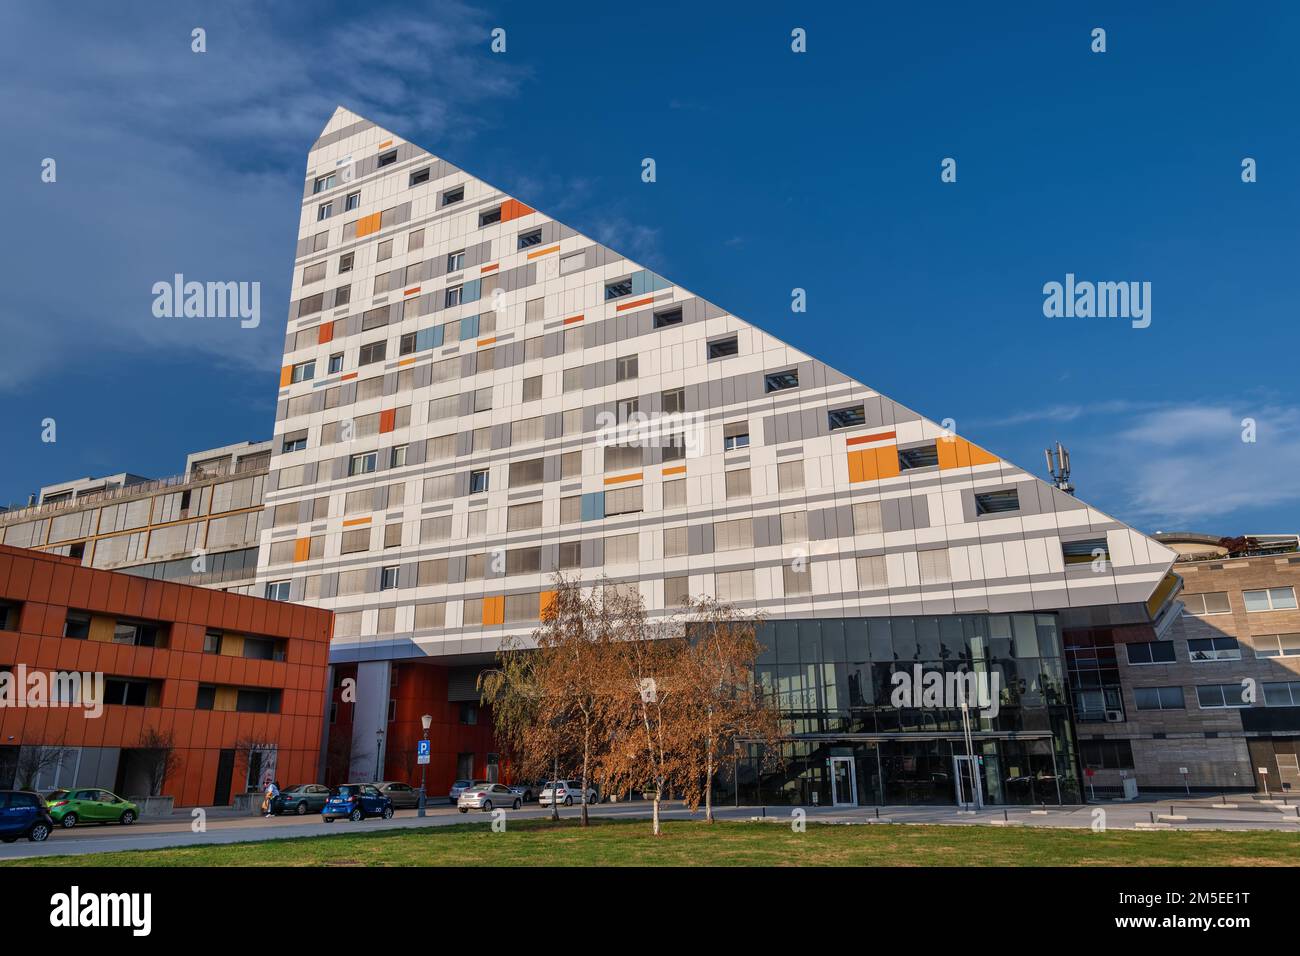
{"x":1058,"y":466}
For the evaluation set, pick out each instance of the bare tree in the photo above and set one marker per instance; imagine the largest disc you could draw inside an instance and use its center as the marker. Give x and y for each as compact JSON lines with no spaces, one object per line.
{"x":158,"y":754}
{"x":245,"y":747}
{"x":35,"y":759}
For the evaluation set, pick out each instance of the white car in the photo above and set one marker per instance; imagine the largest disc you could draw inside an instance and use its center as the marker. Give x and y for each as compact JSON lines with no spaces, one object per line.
{"x":566,"y":792}
{"x":488,"y":796}
{"x":460,"y":786}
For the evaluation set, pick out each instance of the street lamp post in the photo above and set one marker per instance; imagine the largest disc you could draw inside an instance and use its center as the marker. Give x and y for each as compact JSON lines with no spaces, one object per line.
{"x":426,"y":720}
{"x":379,"y":749}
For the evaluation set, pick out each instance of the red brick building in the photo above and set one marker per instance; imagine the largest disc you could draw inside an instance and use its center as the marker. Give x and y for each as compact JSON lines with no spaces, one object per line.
{"x":238,"y":682}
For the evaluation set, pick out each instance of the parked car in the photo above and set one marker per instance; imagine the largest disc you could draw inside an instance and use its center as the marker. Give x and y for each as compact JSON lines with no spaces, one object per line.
{"x":566,"y":792}
{"x":356,"y":801}
{"x":70,"y":807}
{"x":403,"y":795}
{"x":486,"y":797}
{"x":524,"y":791}
{"x":24,"y":814}
{"x":301,"y":799}
{"x":460,"y":786}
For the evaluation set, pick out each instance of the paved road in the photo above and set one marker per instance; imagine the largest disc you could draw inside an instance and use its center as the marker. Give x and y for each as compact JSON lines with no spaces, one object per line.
{"x":225,"y":826}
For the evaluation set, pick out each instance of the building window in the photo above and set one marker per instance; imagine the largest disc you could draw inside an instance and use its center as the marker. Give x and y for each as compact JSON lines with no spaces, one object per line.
{"x":453,"y":195}
{"x":722,"y":348}
{"x":1211,"y":602}
{"x":388,"y":578}
{"x":665,"y":319}
{"x":673,"y":401}
{"x":997,"y":502}
{"x":1270,"y":599}
{"x":294,"y":443}
{"x":1158,"y":698}
{"x":616,"y":290}
{"x":1151,"y":652}
{"x":469,"y":714}
{"x":345,"y":262}
{"x":456,"y":261}
{"x":1215,"y":696}
{"x":1085,"y":551}
{"x":489,"y":216}
{"x":1277,"y":645}
{"x":372,"y":352}
{"x":419,"y":177}
{"x":737,"y":483}
{"x":76,"y":625}
{"x":1213,"y":649}
{"x":453,"y":296}
{"x":780,"y":381}
{"x":478,"y":481}
{"x":1282,"y":694}
{"x":397,"y":457}
{"x":735,"y":436}
{"x":336,"y":363}
{"x":1106,"y":754}
{"x":530,"y":238}
{"x":303,"y":372}
{"x":212,"y":639}
{"x":363,"y":464}
{"x":352,"y":202}
{"x":324,"y":211}
{"x":626,"y":368}
{"x":387,"y":159}
{"x":850,"y":417}
{"x":925,"y":456}
{"x":323,"y":183}
{"x":277,"y":590}
{"x":342,"y":295}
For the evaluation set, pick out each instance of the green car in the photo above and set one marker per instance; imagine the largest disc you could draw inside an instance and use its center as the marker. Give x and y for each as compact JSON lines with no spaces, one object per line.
{"x":70,"y":807}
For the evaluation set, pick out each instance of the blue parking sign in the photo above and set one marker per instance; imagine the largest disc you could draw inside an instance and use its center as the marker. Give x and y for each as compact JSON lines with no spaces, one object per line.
{"x":422,"y":751}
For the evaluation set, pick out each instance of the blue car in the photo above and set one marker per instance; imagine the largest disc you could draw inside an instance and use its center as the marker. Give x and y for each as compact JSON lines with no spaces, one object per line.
{"x":24,"y":814}
{"x":356,"y":801}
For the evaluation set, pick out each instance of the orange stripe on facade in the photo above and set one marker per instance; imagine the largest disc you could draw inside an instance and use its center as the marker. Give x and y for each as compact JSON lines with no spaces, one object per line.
{"x":675,"y":470}
{"x":633,"y":305}
{"x":619,"y":479}
{"x":406,"y":361}
{"x":543,"y":252}
{"x":495,"y":265}
{"x":386,"y":143}
{"x":574,"y":318}
{"x":412,"y":290}
{"x":488,"y":341}
{"x":350,"y":375}
{"x":353,"y":521}
{"x":864,"y":439}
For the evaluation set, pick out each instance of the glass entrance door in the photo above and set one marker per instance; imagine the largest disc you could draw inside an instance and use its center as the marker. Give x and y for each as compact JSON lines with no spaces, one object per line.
{"x":967,"y":777}
{"x":844,"y":782}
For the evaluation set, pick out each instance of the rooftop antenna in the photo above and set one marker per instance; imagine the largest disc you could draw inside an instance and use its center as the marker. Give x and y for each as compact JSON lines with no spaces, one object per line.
{"x":1058,"y":466}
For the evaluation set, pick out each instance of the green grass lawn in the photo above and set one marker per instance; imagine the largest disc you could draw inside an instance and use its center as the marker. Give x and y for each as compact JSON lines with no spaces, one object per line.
{"x":630,"y":843}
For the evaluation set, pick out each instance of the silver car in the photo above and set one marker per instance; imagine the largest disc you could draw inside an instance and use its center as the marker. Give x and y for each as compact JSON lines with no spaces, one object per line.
{"x":488,"y":797}
{"x":460,"y":786}
{"x":566,"y":792}
{"x":403,"y":795}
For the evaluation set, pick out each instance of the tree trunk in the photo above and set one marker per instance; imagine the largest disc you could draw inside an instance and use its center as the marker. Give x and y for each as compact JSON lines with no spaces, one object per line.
{"x":708,"y":784}
{"x":586,"y":749}
{"x":555,"y":804}
{"x":658,"y":793}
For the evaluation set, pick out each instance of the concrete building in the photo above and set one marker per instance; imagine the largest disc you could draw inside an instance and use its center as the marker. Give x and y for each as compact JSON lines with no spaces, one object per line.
{"x":199,"y":527}
{"x":1218,"y":695}
{"x":475,"y":396}
{"x":237,"y":682}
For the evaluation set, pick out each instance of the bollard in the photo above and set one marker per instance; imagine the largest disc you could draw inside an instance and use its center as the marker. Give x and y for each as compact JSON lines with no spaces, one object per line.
{"x":1153,"y":817}
{"x":878,"y":812}
{"x":1005,"y":818}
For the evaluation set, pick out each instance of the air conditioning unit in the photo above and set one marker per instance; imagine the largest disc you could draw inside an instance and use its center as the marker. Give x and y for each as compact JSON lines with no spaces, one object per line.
{"x":1114,"y":716}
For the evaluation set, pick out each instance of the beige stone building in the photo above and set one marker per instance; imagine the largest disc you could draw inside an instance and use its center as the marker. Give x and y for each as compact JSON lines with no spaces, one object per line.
{"x":1217,"y":695}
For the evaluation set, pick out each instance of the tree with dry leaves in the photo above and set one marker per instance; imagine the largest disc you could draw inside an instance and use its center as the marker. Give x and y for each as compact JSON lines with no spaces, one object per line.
{"x":721,"y":701}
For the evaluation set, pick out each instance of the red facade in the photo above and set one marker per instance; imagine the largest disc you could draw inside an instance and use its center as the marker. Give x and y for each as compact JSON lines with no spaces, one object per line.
{"x":212,"y":736}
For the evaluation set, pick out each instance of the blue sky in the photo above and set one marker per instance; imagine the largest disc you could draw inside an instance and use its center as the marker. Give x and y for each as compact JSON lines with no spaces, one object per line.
{"x":775,"y":170}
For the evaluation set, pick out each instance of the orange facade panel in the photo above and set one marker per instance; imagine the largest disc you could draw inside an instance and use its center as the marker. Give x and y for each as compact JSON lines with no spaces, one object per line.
{"x":368,"y":224}
{"x":301,"y":549}
{"x":873,"y":464}
{"x":387,"y":420}
{"x":494,"y":610}
{"x":286,"y":375}
{"x":514,"y":209}
{"x":325,"y":333}
{"x":955,"y":452}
